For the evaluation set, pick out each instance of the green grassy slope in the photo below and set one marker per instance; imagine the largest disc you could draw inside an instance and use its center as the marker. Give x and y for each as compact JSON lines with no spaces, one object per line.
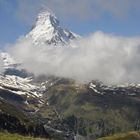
{"x":8,"y":136}
{"x":124,"y":136}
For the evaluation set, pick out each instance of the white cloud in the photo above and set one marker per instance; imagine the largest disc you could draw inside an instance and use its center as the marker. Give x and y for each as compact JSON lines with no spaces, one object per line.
{"x":101,"y":56}
{"x":26,"y":10}
{"x":1,"y":65}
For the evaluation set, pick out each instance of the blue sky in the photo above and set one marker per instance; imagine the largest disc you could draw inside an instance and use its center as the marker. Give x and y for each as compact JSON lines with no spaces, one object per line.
{"x":120,"y":17}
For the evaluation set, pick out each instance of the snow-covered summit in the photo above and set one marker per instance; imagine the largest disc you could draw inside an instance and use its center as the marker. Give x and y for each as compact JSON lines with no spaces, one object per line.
{"x":48,"y":30}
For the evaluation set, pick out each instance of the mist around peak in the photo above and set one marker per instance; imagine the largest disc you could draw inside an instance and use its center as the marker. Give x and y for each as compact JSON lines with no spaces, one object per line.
{"x":99,"y":56}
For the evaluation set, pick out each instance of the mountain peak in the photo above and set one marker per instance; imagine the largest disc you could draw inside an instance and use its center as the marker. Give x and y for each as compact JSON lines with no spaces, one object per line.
{"x":47,"y":30}
{"x":47,"y":17}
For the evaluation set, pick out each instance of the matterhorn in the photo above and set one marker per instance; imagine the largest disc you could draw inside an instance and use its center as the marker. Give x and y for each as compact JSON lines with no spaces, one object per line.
{"x":47,"y":30}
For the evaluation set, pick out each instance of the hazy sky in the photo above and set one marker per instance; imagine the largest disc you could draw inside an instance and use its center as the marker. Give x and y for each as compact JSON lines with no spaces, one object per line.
{"x":121,"y":17}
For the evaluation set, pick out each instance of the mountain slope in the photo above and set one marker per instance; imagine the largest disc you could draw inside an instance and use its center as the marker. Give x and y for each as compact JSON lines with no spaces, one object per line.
{"x":94,"y":113}
{"x":47,"y":30}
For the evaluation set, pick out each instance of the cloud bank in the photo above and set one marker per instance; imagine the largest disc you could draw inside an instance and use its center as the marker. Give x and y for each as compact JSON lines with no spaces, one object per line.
{"x":105,"y":57}
{"x":26,"y":10}
{"x":1,"y":65}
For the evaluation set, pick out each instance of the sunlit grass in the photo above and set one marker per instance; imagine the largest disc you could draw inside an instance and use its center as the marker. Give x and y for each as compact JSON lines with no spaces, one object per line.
{"x":8,"y":136}
{"x":123,"y":136}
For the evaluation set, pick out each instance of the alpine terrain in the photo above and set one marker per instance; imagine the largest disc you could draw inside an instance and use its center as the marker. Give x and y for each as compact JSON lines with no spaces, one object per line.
{"x":60,"y":108}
